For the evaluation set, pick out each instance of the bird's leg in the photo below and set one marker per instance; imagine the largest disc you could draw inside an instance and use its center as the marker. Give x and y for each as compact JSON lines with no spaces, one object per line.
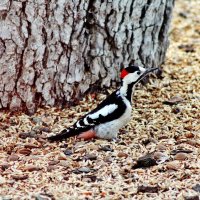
{"x":87,"y":135}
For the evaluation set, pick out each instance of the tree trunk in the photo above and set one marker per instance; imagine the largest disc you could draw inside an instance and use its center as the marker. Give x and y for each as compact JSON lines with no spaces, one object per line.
{"x":54,"y":51}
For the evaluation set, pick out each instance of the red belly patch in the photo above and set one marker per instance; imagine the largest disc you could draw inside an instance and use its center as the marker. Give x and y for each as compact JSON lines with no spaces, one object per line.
{"x":87,"y":135}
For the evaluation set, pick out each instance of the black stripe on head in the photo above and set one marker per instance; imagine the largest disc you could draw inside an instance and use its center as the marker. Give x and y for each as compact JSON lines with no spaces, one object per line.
{"x":132,"y":68}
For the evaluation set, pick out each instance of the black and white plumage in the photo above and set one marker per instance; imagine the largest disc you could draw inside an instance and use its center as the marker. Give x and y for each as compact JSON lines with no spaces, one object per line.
{"x":112,"y":113}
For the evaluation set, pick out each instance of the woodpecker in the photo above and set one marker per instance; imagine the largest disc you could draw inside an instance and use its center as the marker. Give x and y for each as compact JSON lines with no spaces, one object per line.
{"x":111,"y":114}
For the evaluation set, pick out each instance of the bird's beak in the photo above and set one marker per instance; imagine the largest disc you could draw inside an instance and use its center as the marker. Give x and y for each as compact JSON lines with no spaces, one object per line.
{"x":149,"y":71}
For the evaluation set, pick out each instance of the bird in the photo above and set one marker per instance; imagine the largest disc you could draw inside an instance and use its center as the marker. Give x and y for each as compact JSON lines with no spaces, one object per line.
{"x":111,"y":114}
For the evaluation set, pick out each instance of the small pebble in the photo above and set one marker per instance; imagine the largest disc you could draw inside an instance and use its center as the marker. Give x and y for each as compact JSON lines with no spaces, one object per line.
{"x":2,"y":181}
{"x":192,"y":197}
{"x":176,"y":110}
{"x":90,"y":157}
{"x":181,"y":156}
{"x":45,"y":129}
{"x":149,"y":189}
{"x":122,"y":154}
{"x":160,"y":157}
{"x":196,"y":188}
{"x":4,"y":166}
{"x":31,"y":134}
{"x":51,"y":168}
{"x":68,"y":152}
{"x":32,"y":168}
{"x":53,"y":162}
{"x":24,"y":151}
{"x":93,"y":178}
{"x":19,"y":176}
{"x":64,"y":163}
{"x":36,"y":119}
{"x":13,"y":157}
{"x":161,"y":147}
{"x":84,"y":169}
{"x":173,"y":165}
{"x":189,"y":135}
{"x":106,"y":148}
{"x":44,"y":197}
{"x":145,"y":161}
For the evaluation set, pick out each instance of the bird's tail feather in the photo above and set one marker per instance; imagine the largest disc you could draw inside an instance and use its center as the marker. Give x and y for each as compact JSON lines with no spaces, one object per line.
{"x":64,"y":134}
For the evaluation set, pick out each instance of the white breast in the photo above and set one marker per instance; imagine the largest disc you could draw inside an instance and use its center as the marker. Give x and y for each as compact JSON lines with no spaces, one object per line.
{"x":110,"y":129}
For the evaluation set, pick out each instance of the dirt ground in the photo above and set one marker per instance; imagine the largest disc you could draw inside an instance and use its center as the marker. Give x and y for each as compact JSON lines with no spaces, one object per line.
{"x":166,"y":127}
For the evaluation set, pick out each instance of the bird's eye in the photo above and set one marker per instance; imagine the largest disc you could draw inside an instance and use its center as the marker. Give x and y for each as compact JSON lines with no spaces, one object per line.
{"x":138,"y":73}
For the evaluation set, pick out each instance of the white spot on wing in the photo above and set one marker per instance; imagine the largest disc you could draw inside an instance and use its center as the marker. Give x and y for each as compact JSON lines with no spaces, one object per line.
{"x":85,"y":121}
{"x":78,"y":124}
{"x":104,"y":111}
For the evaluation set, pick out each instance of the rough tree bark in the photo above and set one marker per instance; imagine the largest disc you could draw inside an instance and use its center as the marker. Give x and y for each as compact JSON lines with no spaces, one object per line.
{"x":53,"y":51}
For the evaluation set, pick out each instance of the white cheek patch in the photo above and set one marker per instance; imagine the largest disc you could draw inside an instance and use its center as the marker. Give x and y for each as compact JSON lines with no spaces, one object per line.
{"x":142,"y":69}
{"x":132,"y":77}
{"x":104,"y":111}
